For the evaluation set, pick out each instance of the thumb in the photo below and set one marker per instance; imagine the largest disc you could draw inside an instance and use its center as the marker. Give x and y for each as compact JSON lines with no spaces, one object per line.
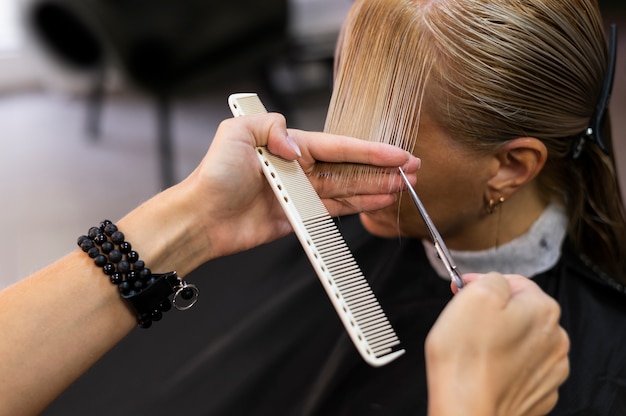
{"x":279,"y":142}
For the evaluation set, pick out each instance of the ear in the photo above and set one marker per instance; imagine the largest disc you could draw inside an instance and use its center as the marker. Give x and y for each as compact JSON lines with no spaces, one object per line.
{"x":520,"y":161}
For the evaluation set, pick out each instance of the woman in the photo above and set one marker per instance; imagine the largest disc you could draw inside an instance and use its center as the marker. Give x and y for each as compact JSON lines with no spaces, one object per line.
{"x":504,"y":102}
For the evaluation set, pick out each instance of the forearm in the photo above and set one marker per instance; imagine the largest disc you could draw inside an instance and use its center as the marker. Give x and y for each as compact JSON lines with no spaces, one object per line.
{"x":453,"y":398}
{"x":58,"y":322}
{"x":171,"y":231}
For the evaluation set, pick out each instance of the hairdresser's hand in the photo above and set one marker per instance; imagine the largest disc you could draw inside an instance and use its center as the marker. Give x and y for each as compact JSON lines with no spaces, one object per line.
{"x":226,"y":205}
{"x":497,"y":349}
{"x":240,"y":206}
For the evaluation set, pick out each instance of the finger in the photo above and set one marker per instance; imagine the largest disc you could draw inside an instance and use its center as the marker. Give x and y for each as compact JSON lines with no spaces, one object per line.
{"x":525,"y":292}
{"x":544,"y":406}
{"x":565,"y":344}
{"x":269,"y":130}
{"x":357,"y":204}
{"x":343,"y":149}
{"x":384,"y":183}
{"x":471,"y":277}
{"x":517,"y":283}
{"x":557,"y":374}
{"x":467,"y":278}
{"x":521,"y":284}
{"x":492,"y":288}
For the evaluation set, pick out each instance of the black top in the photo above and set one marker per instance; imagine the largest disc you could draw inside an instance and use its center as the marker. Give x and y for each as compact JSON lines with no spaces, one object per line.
{"x":265,"y":340}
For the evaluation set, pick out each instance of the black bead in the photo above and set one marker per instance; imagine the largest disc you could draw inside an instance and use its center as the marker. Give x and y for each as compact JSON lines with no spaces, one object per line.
{"x":123,"y":266}
{"x":139,"y":265}
{"x":108,"y":269}
{"x":187,"y":293}
{"x":125,"y":247}
{"x":107,"y":247}
{"x":93,"y":252}
{"x":100,"y":260}
{"x":116,"y":278}
{"x":115,"y":256}
{"x":138,"y":284}
{"x":82,"y":239}
{"x":99,"y":239}
{"x":156,"y":315}
{"x":144,"y":321}
{"x":104,"y":223}
{"x":124,"y":287}
{"x":166,"y":305}
{"x":109,"y":229}
{"x":86,"y":245}
{"x":131,"y":275}
{"x":93,"y":232}
{"x":117,"y":237}
{"x":144,"y":274}
{"x":132,"y":256}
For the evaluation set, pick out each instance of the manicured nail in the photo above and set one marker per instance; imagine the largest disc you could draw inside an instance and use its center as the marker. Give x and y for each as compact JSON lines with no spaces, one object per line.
{"x":294,"y":146}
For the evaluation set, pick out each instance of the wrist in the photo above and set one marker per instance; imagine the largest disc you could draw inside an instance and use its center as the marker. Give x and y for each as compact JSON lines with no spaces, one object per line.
{"x":453,"y":391}
{"x":149,"y":294}
{"x":167,"y":231}
{"x":449,"y":403}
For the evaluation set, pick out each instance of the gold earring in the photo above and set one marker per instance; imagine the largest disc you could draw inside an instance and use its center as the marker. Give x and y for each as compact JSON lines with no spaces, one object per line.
{"x":492,"y":204}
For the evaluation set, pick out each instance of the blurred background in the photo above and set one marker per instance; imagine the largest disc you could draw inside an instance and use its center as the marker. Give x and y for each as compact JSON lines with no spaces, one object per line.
{"x":105,"y":102}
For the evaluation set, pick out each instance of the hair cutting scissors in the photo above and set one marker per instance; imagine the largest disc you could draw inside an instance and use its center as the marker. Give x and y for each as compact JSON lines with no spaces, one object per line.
{"x":440,"y":246}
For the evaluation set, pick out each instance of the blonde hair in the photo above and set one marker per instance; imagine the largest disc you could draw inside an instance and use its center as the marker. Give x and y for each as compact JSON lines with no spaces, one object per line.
{"x":488,"y":71}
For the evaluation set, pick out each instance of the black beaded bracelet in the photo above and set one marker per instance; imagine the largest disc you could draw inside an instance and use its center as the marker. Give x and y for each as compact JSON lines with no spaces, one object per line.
{"x":147,"y":293}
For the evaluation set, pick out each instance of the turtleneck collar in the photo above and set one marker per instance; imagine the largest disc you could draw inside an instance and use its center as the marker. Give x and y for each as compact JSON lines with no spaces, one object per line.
{"x":530,"y":254}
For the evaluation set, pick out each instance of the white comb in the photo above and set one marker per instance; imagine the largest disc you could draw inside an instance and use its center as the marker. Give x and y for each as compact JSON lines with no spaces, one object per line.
{"x":347,"y":288}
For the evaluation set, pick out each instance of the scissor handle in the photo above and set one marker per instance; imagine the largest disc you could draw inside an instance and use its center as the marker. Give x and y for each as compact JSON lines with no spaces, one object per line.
{"x":453,"y":272}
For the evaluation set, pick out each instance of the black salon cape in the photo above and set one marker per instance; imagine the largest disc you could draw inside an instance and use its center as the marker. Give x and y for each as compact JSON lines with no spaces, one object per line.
{"x":265,"y":340}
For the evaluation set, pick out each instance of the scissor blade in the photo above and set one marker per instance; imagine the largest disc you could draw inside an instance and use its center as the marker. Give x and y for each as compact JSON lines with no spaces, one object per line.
{"x":440,"y":246}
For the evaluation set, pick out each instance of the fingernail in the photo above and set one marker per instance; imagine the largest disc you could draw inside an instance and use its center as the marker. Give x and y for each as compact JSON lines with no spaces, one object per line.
{"x":294,"y":146}
{"x":412,"y":159}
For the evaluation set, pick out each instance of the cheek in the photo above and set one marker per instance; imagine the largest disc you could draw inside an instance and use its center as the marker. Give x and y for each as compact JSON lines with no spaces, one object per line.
{"x":453,"y":201}
{"x":450,"y":184}
{"x":400,"y":219}
{"x":452,"y":197}
{"x":383,"y":223}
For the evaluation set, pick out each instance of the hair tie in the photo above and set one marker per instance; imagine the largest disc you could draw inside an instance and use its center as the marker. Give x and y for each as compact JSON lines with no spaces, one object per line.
{"x":593,"y":133}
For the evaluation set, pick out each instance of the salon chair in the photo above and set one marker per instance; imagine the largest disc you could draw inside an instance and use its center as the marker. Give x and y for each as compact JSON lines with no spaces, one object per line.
{"x":162,"y":47}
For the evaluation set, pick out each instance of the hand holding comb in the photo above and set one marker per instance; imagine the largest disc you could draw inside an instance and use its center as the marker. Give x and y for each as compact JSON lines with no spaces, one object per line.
{"x":340,"y":275}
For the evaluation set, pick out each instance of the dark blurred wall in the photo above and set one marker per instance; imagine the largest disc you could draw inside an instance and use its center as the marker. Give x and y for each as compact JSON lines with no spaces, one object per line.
{"x":613,"y":6}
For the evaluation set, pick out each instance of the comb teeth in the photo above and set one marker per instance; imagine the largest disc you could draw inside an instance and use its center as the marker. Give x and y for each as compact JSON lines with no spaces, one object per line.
{"x":339,"y":273}
{"x":344,"y":280}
